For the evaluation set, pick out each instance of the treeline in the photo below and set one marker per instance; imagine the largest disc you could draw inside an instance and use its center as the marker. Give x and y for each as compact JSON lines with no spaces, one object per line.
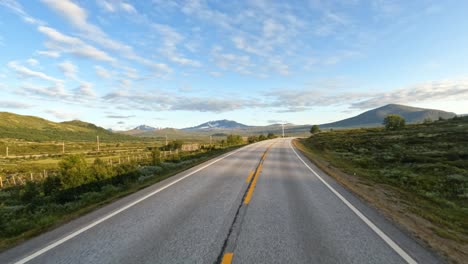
{"x":253,"y":139}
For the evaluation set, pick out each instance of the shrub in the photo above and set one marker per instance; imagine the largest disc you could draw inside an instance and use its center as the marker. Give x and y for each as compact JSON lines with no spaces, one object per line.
{"x":74,"y":171}
{"x":394,"y":122}
{"x":314,"y":129}
{"x":100,"y":170}
{"x":51,"y":185}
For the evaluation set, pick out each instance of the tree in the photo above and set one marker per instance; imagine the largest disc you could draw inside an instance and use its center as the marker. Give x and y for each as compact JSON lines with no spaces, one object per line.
{"x":262,"y":137}
{"x":74,"y":171}
{"x":271,"y":135}
{"x":314,"y":129}
{"x":394,"y":122}
{"x":100,"y":170}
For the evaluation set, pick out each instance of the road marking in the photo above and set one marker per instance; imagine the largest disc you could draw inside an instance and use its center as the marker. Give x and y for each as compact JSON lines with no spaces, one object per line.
{"x":250,"y":176}
{"x":227,"y":258}
{"x":248,"y":196}
{"x":366,"y":220}
{"x":83,"y":229}
{"x":250,"y":191}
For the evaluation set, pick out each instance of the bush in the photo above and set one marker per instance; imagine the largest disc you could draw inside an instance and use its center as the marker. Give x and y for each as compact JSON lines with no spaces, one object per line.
{"x":100,"y":170}
{"x":51,"y":185}
{"x":74,"y":171}
{"x":232,"y":140}
{"x":31,"y":192}
{"x":394,"y":122}
{"x":314,"y":129}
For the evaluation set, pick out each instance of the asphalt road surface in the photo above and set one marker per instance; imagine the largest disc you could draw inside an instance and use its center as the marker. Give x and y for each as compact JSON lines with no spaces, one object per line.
{"x":264,"y":203}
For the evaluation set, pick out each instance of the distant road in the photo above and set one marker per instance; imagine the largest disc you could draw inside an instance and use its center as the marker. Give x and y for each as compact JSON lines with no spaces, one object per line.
{"x":244,"y":207}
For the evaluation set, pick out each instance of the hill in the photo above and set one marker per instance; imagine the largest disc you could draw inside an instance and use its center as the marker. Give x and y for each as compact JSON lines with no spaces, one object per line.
{"x":218,"y":124}
{"x":375,"y":117}
{"x":32,"y":128}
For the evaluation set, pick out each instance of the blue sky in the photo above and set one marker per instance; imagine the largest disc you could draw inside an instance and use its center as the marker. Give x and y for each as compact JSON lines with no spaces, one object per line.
{"x":179,"y":63}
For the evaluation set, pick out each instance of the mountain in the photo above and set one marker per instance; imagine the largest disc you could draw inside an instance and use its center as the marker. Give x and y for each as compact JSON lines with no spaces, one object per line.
{"x":33,"y":128}
{"x":145,"y":128}
{"x":376,"y":116}
{"x":217,"y":125}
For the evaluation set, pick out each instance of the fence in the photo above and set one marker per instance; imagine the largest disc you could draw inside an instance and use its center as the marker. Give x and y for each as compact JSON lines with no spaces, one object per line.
{"x":14,"y":179}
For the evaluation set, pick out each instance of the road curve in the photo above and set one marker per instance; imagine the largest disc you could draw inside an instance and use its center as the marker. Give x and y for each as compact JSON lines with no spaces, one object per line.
{"x":295,"y":213}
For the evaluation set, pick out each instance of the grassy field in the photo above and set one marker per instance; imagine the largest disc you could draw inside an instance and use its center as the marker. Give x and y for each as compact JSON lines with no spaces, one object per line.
{"x":423,"y":167}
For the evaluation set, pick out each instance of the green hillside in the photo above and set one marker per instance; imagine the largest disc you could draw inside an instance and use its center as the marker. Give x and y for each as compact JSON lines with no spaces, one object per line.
{"x":32,"y":128}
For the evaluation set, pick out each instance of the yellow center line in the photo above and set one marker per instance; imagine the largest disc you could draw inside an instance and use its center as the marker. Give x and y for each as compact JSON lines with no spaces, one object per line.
{"x":249,"y":194}
{"x":250,"y":176}
{"x":227,"y":258}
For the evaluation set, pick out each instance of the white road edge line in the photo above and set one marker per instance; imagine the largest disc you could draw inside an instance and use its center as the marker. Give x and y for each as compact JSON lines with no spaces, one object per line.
{"x":366,"y":220}
{"x":83,"y":229}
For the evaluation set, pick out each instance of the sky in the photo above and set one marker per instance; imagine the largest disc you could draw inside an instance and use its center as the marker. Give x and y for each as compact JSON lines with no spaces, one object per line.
{"x":180,"y":63}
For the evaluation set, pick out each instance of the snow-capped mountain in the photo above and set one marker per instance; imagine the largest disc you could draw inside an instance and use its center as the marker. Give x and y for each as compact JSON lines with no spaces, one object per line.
{"x":144,"y":128}
{"x":218,"y":124}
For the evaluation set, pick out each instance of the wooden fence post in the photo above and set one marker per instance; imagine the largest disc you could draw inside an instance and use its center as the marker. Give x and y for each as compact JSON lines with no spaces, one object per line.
{"x":1,"y":182}
{"x":32,"y":179}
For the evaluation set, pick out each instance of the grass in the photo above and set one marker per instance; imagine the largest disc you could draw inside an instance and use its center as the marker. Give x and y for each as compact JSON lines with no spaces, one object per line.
{"x":424,"y":167}
{"x":20,"y":219}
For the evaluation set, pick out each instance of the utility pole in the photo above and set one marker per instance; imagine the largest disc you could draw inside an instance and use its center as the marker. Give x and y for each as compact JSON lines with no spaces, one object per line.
{"x":282,"y":126}
{"x":63,"y":147}
{"x":166,"y":139}
{"x":7,"y":152}
{"x":97,"y":137}
{"x":211,"y":139}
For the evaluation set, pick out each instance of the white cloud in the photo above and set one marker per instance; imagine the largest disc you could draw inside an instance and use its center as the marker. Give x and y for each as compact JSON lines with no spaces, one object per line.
{"x":78,"y":17}
{"x":85,"y":90}
{"x":13,"y":104}
{"x":49,"y":53}
{"x":18,"y":9}
{"x":171,"y":38}
{"x":163,"y":101}
{"x":102,"y":72}
{"x":59,"y":42}
{"x":228,"y":61}
{"x":125,"y":83}
{"x":32,"y":62}
{"x":428,"y":91}
{"x":68,"y":69}
{"x":305,"y":99}
{"x":116,"y":5}
{"x":25,"y":72}
{"x":48,"y":92}
{"x":63,"y":114}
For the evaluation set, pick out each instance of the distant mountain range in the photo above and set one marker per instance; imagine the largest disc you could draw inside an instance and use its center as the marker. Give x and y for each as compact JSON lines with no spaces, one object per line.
{"x":376,"y":116}
{"x":37,"y":129}
{"x":217,"y":125}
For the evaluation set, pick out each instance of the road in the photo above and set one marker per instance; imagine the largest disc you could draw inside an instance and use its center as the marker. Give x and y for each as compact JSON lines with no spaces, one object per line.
{"x":264,"y":203}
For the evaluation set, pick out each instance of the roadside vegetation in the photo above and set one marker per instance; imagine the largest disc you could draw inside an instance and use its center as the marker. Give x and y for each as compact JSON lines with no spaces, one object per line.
{"x":253,"y":139}
{"x":79,"y":185}
{"x":421,"y":171}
